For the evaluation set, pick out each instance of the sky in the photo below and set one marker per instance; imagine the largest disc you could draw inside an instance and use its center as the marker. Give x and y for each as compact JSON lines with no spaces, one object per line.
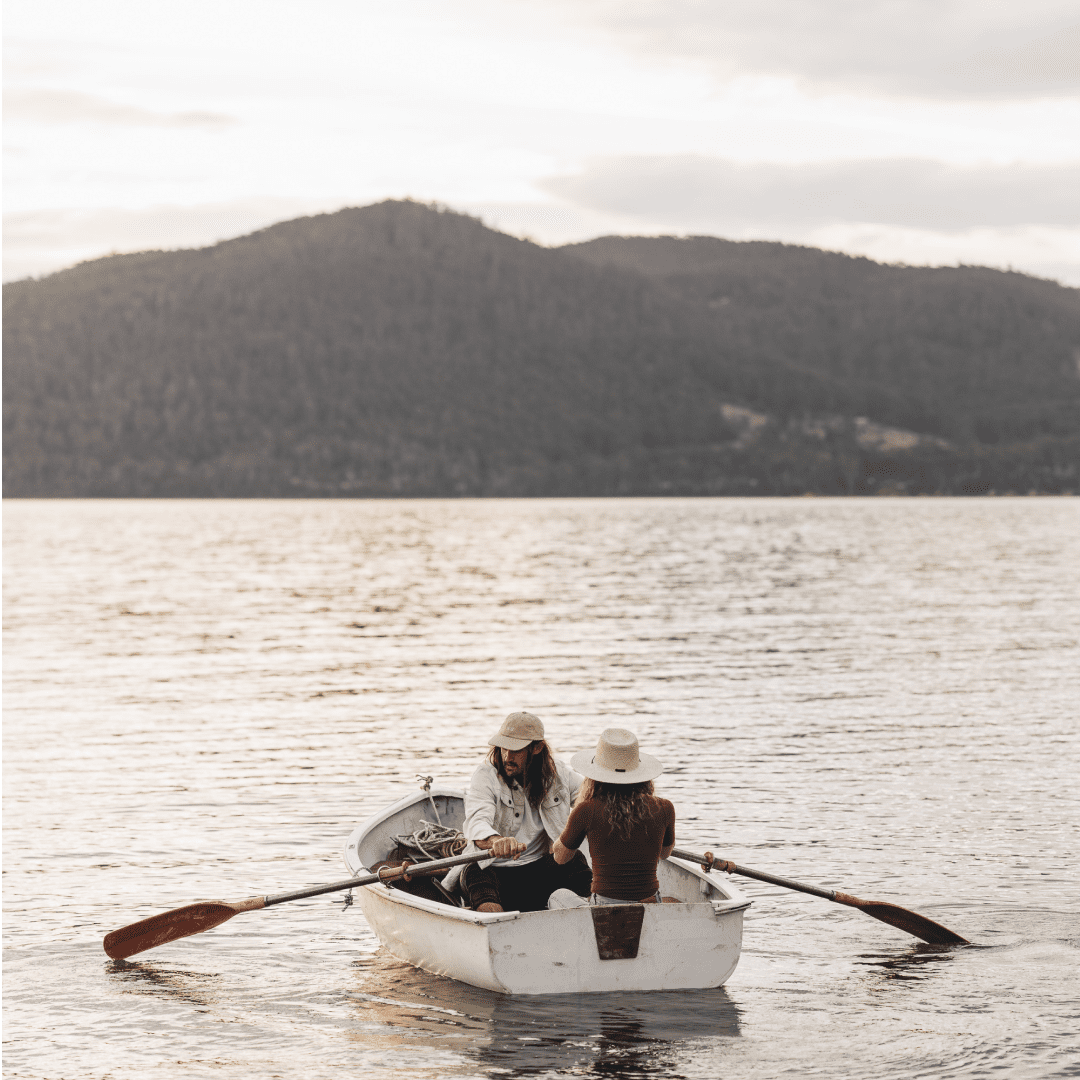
{"x":917,"y":131}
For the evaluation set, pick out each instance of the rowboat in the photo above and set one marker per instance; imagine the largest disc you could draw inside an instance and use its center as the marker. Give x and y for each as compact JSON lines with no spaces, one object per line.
{"x":692,"y":944}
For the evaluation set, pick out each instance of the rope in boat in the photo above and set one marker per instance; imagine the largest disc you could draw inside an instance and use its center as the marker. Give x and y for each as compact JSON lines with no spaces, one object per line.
{"x":433,"y":841}
{"x":427,"y":782}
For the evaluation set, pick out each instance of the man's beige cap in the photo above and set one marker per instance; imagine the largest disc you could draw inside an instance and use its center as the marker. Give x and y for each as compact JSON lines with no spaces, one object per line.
{"x":518,"y":730}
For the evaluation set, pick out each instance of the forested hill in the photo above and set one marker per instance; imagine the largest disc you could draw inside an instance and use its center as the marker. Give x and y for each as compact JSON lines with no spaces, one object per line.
{"x":971,"y":351}
{"x":403,"y":350}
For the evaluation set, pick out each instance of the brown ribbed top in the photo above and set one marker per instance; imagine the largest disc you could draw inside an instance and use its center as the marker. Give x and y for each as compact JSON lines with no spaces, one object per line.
{"x":624,"y":869}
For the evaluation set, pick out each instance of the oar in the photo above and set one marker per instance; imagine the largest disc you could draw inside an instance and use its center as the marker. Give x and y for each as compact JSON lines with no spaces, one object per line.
{"x":206,"y":914}
{"x":911,"y":922}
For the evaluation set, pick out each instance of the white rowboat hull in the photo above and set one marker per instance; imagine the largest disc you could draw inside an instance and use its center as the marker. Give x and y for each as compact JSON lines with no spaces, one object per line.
{"x":690,"y":945}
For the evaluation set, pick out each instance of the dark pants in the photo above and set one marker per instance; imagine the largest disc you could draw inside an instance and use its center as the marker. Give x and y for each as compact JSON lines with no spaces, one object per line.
{"x":525,"y":888}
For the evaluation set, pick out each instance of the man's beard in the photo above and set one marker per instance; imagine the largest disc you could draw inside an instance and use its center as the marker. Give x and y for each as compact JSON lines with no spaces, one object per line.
{"x":512,"y":776}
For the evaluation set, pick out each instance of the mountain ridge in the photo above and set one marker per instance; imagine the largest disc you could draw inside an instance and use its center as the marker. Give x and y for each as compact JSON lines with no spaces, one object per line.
{"x":400,"y":349}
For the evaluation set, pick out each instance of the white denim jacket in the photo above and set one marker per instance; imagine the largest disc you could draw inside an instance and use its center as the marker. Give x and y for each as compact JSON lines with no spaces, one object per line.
{"x":493,"y":808}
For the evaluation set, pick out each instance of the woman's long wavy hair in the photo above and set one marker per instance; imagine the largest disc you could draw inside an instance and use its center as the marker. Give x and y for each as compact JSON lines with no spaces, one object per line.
{"x":539,"y":774}
{"x":625,"y":805}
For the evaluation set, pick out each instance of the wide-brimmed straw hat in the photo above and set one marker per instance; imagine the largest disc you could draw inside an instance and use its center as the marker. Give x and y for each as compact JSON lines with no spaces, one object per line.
{"x":517,"y":731}
{"x":617,"y":759}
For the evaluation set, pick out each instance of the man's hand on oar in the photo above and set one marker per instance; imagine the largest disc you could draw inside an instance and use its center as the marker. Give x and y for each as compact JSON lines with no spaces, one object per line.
{"x":206,"y":914}
{"x":911,"y":922}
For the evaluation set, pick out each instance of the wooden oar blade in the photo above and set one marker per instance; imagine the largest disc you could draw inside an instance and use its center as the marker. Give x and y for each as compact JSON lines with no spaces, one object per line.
{"x":911,"y":922}
{"x":168,"y":926}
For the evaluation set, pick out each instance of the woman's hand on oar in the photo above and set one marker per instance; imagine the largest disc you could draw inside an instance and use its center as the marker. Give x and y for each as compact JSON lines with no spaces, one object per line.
{"x":911,"y":922}
{"x":206,"y":914}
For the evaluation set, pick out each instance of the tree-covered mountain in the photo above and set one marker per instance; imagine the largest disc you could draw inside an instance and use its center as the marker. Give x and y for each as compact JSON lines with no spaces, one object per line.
{"x":960,"y":352}
{"x":400,"y":349}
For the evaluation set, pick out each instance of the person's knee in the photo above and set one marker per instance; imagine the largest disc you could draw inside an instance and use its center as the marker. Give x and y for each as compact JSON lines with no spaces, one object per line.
{"x":481,"y":890}
{"x":565,"y":898}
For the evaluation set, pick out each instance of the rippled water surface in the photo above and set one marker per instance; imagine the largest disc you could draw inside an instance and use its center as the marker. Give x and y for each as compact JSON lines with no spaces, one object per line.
{"x":202,"y":698}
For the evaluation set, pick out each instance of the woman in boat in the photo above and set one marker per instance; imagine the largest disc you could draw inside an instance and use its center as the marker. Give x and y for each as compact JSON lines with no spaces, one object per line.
{"x":628,"y":827}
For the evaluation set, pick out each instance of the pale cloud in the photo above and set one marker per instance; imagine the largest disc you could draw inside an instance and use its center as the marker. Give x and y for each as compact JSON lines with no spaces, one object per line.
{"x":556,"y":119}
{"x":695,"y":192}
{"x":39,"y":106}
{"x":992,"y":49}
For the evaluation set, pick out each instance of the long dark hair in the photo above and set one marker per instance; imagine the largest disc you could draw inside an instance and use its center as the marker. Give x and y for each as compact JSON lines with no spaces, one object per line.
{"x":625,"y":805}
{"x":539,"y":772}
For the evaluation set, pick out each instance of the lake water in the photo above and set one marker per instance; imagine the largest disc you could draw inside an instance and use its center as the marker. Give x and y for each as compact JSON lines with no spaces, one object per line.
{"x":880,"y":696}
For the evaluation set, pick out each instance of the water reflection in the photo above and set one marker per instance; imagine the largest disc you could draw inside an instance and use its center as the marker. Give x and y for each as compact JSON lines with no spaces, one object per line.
{"x":916,"y":962}
{"x":190,"y":987}
{"x":624,"y":1034}
{"x":608,"y":1034}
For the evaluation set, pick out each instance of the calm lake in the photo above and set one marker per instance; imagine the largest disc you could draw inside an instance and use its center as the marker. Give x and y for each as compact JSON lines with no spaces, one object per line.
{"x":880,"y":696}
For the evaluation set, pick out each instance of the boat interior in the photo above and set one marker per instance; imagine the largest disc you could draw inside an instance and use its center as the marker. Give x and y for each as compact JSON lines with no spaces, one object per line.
{"x":378,"y":846}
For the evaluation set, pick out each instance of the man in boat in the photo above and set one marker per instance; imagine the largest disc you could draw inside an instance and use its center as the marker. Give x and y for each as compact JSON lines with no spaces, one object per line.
{"x":516,"y":807}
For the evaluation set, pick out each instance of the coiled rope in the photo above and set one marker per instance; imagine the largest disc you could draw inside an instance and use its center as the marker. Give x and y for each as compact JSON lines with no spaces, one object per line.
{"x":433,"y":841}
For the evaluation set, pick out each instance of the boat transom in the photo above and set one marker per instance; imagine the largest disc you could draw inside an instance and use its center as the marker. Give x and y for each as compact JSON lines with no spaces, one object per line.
{"x":618,"y":930}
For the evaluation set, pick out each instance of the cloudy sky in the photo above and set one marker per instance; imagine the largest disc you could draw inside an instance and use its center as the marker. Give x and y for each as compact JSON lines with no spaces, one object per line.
{"x":921,"y":131}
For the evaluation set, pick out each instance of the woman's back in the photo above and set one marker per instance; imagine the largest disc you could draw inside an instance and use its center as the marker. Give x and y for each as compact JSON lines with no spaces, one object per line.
{"x":625,"y":848}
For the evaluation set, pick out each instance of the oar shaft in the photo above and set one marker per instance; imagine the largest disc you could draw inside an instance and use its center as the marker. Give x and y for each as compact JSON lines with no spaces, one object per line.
{"x":758,"y":875}
{"x":911,"y":922}
{"x":414,"y":870}
{"x":206,"y":914}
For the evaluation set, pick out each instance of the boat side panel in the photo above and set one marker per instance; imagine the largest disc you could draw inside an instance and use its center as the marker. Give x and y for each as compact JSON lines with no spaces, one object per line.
{"x":456,"y":948}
